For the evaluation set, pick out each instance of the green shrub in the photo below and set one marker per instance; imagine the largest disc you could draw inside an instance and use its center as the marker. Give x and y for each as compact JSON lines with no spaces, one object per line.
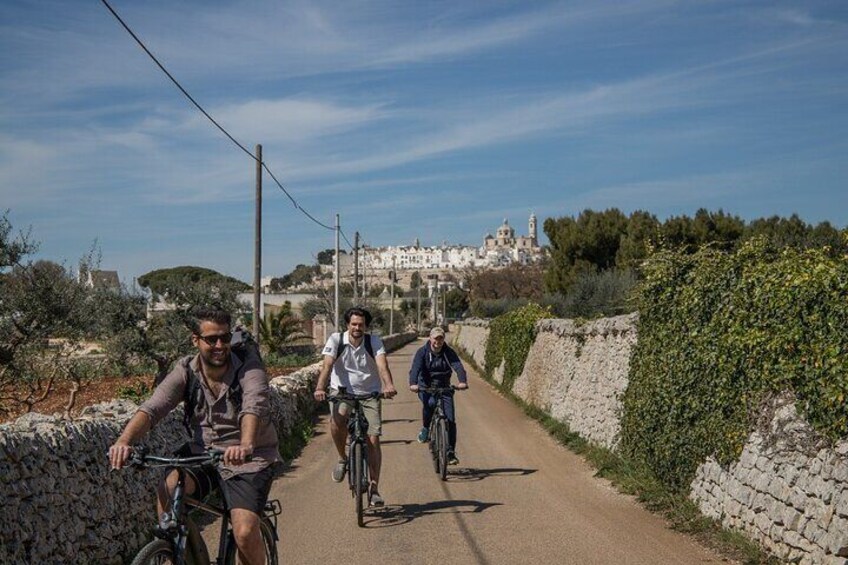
{"x":595,"y":295}
{"x":137,"y":393}
{"x":510,"y":338}
{"x":717,"y":332}
{"x":274,"y":359}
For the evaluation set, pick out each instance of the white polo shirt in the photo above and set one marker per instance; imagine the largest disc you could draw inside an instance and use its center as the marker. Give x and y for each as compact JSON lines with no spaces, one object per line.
{"x":355,"y":369}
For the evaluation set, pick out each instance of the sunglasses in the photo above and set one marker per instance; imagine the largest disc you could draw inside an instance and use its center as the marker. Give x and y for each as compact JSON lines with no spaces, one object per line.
{"x":211,"y":340}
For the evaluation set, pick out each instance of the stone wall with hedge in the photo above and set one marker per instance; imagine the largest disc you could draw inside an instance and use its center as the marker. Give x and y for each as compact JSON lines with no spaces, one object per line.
{"x":62,"y":504}
{"x":788,"y":490}
{"x":788,"y":487}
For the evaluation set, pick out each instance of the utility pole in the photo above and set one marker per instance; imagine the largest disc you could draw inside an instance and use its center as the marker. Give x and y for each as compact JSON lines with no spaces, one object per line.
{"x":445,"y":308}
{"x":257,"y":245}
{"x":392,"y":278}
{"x":434,"y":301}
{"x":355,"y":267}
{"x":418,"y":308}
{"x":337,"y":320}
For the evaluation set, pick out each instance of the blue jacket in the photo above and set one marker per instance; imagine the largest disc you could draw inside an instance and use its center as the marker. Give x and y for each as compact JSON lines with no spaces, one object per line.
{"x":429,"y":366}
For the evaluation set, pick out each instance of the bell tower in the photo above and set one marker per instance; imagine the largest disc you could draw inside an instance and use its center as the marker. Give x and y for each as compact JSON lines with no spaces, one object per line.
{"x":531,"y":229}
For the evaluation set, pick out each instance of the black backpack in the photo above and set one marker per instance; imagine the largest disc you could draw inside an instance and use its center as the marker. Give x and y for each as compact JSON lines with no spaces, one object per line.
{"x":369,"y":348}
{"x":242,"y":346}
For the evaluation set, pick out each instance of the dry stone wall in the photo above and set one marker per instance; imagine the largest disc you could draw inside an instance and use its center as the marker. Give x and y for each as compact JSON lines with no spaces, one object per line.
{"x":577,"y":374}
{"x":788,"y":491}
{"x":61,"y":503}
{"x":471,"y":335}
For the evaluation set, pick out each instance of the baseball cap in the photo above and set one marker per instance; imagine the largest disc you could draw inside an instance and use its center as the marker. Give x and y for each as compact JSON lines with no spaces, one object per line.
{"x":437,"y":331}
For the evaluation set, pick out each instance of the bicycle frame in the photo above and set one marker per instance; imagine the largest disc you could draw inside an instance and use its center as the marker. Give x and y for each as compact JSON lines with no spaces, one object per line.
{"x":177,"y":528}
{"x":357,"y":430}
{"x":438,"y":444}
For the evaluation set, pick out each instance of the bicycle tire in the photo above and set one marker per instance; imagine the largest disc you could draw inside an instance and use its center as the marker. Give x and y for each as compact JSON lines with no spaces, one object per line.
{"x":268,"y":542}
{"x":358,"y":479}
{"x":156,"y":552}
{"x":434,"y":445}
{"x":442,"y":432}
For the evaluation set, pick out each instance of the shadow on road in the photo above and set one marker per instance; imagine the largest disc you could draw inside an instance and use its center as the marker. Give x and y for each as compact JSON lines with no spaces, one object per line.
{"x":471,"y":474}
{"x":392,"y":421}
{"x":391,"y":441}
{"x":398,"y":514}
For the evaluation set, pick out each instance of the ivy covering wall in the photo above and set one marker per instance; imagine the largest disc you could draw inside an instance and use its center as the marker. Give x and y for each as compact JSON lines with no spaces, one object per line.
{"x":718,"y":332}
{"x":510,"y":338}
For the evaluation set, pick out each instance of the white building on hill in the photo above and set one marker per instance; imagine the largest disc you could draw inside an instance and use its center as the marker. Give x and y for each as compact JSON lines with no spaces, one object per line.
{"x":498,"y":251}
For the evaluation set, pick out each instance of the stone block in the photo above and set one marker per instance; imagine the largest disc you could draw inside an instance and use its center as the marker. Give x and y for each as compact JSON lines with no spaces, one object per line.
{"x":839,"y":473}
{"x":791,"y":519}
{"x":840,"y":503}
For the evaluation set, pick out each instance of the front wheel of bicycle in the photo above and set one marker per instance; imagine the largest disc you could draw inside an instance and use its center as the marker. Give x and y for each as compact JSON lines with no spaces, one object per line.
{"x":157,"y":552}
{"x":358,"y":480}
{"x":434,"y":444}
{"x":442,"y":433}
{"x":268,"y":542}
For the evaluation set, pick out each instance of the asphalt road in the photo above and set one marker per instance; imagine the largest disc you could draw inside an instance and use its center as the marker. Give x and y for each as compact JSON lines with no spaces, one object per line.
{"x":516,"y":497}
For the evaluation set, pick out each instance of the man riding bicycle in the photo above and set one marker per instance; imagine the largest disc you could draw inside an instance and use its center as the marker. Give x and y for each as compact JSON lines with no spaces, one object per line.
{"x":433,"y":365}
{"x":231,"y":411}
{"x":361,"y":367}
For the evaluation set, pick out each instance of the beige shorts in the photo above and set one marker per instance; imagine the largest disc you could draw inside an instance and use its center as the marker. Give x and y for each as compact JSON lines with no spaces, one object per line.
{"x":372,"y":408}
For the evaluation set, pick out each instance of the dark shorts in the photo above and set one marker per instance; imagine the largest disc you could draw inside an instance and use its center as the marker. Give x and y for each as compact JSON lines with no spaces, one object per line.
{"x":247,"y":490}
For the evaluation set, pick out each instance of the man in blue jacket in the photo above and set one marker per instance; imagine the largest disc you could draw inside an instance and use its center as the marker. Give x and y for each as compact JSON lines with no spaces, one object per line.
{"x":433,"y":365}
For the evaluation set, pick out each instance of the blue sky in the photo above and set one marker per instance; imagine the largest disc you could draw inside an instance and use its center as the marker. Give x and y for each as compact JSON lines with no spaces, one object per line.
{"x":410,"y":119}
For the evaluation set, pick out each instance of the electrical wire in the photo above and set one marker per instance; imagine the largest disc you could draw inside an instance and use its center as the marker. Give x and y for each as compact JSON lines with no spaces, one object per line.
{"x":349,"y":244}
{"x":211,"y":119}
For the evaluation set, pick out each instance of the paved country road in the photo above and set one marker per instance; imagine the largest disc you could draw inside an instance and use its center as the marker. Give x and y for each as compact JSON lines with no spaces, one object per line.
{"x":516,"y":497}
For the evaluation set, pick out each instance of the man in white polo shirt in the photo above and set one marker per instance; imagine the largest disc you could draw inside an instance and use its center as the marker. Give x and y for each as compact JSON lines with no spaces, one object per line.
{"x":361,"y":368}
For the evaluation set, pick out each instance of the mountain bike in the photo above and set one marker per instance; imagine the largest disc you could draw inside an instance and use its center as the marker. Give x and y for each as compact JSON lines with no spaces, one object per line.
{"x":358,"y":476}
{"x":178,"y":539}
{"x":438,"y":432}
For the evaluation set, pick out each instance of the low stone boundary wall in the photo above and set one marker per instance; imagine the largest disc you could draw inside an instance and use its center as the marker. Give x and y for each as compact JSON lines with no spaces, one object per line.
{"x":471,"y":335}
{"x":788,"y":491}
{"x":61,"y":503}
{"x":577,"y":374}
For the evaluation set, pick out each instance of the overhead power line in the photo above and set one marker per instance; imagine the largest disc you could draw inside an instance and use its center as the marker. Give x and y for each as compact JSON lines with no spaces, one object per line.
{"x":211,"y":119}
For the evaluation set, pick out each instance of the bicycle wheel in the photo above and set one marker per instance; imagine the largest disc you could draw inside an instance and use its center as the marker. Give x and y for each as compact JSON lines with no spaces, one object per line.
{"x":434,"y":444}
{"x":269,"y":543}
{"x":358,"y":480}
{"x":442,"y":433}
{"x":156,"y":552}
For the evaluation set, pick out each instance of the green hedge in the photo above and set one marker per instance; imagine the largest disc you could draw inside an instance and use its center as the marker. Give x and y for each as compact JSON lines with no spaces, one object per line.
{"x":717,"y":332}
{"x":510,"y":338}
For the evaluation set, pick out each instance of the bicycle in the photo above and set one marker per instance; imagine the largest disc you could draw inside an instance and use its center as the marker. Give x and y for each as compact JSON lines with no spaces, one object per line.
{"x":438,"y":431}
{"x":358,"y":476}
{"x":178,"y":539}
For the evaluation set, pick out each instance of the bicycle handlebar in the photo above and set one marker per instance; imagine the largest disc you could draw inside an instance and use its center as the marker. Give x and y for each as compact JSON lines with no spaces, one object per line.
{"x":438,"y":389}
{"x":140,"y":458}
{"x":341,"y":395}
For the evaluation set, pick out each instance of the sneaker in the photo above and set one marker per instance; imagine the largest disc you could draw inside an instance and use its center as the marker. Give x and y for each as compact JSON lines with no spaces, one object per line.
{"x":339,"y":470}
{"x":375,"y":498}
{"x":423,"y":435}
{"x":452,"y":458}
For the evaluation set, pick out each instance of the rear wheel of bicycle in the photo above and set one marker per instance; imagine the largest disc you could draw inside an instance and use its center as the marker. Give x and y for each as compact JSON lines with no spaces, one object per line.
{"x":157,"y":552}
{"x":442,"y":432}
{"x":269,"y":543}
{"x":359,"y":487}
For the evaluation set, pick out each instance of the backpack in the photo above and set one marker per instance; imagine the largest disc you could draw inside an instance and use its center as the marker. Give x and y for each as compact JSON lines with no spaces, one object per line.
{"x":369,"y":348}
{"x":242,"y":345}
